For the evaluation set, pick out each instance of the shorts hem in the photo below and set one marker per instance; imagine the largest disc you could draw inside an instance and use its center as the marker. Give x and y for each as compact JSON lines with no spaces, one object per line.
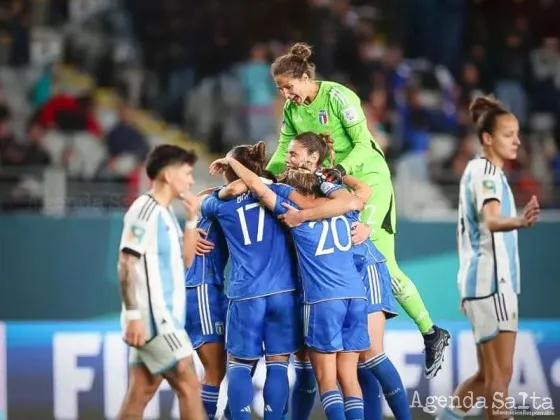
{"x":283,"y":353}
{"x":488,"y":338}
{"x":246,"y":358}
{"x":207,"y":341}
{"x":322,"y":351}
{"x":355,"y":351}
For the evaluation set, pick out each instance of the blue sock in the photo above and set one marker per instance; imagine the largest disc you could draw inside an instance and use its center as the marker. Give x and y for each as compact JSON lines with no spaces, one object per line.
{"x":305,"y":390}
{"x":240,"y":390}
{"x":276,"y":390}
{"x":210,"y":399}
{"x":333,"y":405}
{"x":372,"y":393}
{"x":391,"y":384}
{"x":354,"y":408}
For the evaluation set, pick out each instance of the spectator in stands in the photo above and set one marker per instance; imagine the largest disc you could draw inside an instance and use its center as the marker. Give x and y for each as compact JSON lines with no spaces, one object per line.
{"x":69,"y":113}
{"x":465,"y":151}
{"x":377,"y":115}
{"x":470,"y":83}
{"x":34,"y":152}
{"x":260,"y":94}
{"x":545,"y":62}
{"x":416,"y":137}
{"x":43,"y":88}
{"x":512,"y":75}
{"x":126,"y":146}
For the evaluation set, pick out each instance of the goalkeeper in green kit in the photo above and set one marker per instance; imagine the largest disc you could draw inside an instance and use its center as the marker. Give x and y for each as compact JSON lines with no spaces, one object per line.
{"x":321,"y":106}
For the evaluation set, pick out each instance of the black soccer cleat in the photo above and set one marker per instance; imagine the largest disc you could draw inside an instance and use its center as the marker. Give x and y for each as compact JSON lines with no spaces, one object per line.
{"x":435,"y":345}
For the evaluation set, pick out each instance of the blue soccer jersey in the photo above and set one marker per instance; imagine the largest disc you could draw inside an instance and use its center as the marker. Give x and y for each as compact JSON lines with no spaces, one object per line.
{"x":262,"y":261}
{"x":209,"y":268}
{"x":325,"y":256}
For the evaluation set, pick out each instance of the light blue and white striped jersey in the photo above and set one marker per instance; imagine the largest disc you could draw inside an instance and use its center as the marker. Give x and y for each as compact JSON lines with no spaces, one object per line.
{"x":488,"y":262}
{"x":153,"y":234}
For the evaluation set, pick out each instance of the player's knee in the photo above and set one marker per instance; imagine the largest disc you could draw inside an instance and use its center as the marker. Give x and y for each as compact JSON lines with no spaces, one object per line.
{"x":506,"y":372}
{"x":276,"y":358}
{"x":302,"y":355}
{"x":188,"y":384}
{"x":142,"y":394}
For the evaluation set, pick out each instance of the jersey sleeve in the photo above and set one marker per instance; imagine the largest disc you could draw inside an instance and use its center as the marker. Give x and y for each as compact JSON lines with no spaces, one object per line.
{"x":279,"y":208}
{"x":209,"y":206}
{"x":140,"y":225}
{"x":328,"y":188}
{"x":346,"y":105}
{"x":277,"y":162}
{"x":487,"y":185}
{"x":282,"y":190}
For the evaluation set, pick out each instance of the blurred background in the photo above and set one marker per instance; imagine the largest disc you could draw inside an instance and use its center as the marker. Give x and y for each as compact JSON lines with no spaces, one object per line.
{"x":89,"y":87}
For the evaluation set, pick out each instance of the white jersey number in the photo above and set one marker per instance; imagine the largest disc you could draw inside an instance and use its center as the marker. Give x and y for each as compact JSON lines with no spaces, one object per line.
{"x":243,"y":221}
{"x":321,"y":250}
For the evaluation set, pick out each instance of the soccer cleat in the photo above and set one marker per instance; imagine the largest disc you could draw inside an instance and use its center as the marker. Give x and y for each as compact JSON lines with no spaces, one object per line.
{"x":434,"y":350}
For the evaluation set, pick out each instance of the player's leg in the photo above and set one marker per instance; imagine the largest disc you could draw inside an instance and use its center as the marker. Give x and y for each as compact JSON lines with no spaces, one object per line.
{"x":355,"y":339}
{"x":170,"y":354}
{"x":380,"y":213}
{"x":244,"y":338}
{"x":184,"y":381}
{"x":142,"y":386}
{"x":305,"y":386}
{"x":205,"y":324}
{"x":375,"y":366}
{"x":282,"y":337}
{"x":322,"y":328}
{"x":495,"y":348}
{"x":376,"y":363}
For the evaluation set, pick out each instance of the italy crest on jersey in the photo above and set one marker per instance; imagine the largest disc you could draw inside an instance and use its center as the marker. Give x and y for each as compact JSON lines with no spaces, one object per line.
{"x":323,"y":117}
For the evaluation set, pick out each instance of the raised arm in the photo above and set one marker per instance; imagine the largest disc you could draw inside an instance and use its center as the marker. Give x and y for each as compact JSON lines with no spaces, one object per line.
{"x":347,"y":106}
{"x":361,"y":189}
{"x":253,"y":182}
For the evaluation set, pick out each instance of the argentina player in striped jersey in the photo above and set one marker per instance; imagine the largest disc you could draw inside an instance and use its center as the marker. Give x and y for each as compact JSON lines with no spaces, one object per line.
{"x":489,"y":276}
{"x":263,"y":311}
{"x":151,"y":277}
{"x":335,"y":304}
{"x":207,"y":308}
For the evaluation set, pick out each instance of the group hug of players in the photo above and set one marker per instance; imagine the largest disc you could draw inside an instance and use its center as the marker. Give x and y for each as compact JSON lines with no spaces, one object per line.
{"x":309,"y":236}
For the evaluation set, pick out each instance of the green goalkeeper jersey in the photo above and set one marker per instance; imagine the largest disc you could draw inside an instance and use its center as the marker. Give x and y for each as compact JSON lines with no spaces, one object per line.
{"x":336,"y":110}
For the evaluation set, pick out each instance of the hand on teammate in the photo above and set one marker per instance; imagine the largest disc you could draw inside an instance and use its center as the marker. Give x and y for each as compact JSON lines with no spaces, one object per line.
{"x":360,"y":233}
{"x":134,"y":333}
{"x":292,"y":217}
{"x":331,"y":175}
{"x":203,"y":245}
{"x":531,"y":212}
{"x":218,"y":166}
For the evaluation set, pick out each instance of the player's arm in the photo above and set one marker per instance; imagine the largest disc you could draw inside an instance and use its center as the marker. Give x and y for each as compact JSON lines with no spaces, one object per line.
{"x":488,"y":193}
{"x":346,"y":105}
{"x":191,"y":235}
{"x":236,"y":188}
{"x":207,"y":191}
{"x":253,"y":182}
{"x":361,"y":189}
{"x":277,"y":162}
{"x":137,"y":233}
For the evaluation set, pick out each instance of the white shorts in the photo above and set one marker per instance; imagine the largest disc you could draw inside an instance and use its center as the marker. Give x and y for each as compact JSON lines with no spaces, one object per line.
{"x":492,"y":314}
{"x":162,"y":352}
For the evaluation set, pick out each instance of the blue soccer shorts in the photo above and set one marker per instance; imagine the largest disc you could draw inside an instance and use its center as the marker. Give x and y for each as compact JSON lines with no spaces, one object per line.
{"x":269,"y":325}
{"x":206,"y":314}
{"x":377,"y":281}
{"x":336,"y":325}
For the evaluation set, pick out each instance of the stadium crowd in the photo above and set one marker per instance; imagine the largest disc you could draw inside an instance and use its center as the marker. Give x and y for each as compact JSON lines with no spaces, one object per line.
{"x":203,"y":70}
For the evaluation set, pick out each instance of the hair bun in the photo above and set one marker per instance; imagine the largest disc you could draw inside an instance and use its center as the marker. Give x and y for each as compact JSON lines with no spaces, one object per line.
{"x":481,"y":105}
{"x":301,"y":50}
